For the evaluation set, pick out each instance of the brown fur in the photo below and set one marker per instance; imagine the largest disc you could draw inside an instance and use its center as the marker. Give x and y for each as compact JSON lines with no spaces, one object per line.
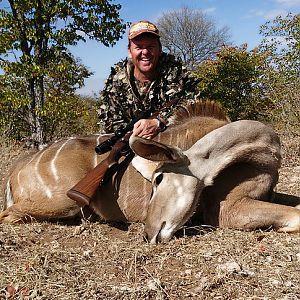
{"x":39,"y":183}
{"x":193,"y":109}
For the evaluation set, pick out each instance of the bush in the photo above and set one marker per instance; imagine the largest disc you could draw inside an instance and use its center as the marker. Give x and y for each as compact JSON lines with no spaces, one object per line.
{"x":285,"y":116}
{"x":62,"y":116}
{"x":69,"y":116}
{"x":235,"y":79}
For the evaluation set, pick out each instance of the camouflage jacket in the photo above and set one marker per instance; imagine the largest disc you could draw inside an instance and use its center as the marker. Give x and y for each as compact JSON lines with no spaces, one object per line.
{"x":121,"y":99}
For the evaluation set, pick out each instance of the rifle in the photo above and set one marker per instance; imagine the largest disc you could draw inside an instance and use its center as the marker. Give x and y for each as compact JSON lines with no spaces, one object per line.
{"x":87,"y":187}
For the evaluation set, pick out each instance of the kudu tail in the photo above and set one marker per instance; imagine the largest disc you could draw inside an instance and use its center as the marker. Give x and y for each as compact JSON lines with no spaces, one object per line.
{"x":9,"y":214}
{"x":8,"y":196}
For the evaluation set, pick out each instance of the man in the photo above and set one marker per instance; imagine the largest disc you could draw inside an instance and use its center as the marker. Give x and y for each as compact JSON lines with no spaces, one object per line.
{"x":148,"y":79}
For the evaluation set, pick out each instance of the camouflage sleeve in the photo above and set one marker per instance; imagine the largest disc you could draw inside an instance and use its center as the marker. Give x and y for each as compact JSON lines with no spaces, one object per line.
{"x":110,"y":107}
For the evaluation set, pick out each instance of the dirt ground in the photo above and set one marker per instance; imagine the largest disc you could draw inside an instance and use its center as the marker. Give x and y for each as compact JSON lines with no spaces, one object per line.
{"x":94,"y":260}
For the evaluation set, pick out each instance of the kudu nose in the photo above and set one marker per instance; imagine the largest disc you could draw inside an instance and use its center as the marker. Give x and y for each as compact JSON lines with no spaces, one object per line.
{"x":153,"y":234}
{"x":152,"y":239}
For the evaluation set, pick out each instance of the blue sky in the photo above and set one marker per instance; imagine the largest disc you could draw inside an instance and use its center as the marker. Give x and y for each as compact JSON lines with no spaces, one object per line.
{"x":242,"y":17}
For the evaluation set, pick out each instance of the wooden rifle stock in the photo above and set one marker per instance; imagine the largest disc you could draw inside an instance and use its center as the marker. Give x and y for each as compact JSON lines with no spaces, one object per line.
{"x":87,"y":187}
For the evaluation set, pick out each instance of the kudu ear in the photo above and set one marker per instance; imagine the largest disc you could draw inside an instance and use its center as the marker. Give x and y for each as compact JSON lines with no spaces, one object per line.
{"x":155,"y":151}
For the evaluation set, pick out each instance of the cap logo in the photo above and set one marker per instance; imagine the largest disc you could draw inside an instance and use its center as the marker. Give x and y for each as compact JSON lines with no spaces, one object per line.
{"x":141,"y":27}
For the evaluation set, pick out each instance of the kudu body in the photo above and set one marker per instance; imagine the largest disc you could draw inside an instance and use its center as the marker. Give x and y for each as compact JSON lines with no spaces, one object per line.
{"x":37,"y":186}
{"x":218,"y":172}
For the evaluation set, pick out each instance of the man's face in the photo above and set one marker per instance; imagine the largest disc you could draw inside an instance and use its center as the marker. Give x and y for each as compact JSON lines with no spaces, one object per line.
{"x":144,"y":50}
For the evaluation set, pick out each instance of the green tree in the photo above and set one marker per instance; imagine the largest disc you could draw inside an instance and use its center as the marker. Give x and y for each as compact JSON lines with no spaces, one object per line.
{"x":35,"y":35}
{"x":71,"y":115}
{"x":13,"y":109}
{"x":235,"y":79}
{"x":282,"y":43}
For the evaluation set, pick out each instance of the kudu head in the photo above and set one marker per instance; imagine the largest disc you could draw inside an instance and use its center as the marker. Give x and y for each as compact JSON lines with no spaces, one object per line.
{"x":178,"y":177}
{"x":175,"y":189}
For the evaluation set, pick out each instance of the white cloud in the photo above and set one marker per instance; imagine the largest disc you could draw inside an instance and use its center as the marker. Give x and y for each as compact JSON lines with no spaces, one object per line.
{"x":256,"y":13}
{"x":208,"y":10}
{"x":267,"y":15}
{"x":272,"y":14}
{"x":289,"y":3}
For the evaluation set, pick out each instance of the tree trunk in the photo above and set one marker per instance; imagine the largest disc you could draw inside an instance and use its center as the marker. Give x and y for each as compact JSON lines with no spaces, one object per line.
{"x":37,"y":103}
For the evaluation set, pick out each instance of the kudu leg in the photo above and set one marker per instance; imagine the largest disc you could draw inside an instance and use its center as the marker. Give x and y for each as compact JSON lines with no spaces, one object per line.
{"x":250,"y":214}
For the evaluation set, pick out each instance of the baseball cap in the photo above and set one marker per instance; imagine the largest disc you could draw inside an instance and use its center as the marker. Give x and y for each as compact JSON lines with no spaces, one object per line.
{"x":142,"y":27}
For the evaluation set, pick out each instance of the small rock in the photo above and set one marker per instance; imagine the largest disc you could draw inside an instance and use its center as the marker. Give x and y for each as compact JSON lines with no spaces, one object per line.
{"x":230,"y":267}
{"x":269,"y":258}
{"x":188,"y":272}
{"x":275,"y":282}
{"x":288,"y":283}
{"x":87,"y":253}
{"x":153,"y":285}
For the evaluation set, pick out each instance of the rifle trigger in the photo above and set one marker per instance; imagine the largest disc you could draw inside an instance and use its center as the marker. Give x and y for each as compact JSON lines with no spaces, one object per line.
{"x":112,"y":164}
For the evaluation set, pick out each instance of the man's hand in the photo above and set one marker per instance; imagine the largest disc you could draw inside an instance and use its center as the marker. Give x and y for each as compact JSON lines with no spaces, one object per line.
{"x":146,"y":128}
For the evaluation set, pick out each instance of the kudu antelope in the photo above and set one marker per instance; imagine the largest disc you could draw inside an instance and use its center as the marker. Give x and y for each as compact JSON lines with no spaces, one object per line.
{"x":219,"y":176}
{"x":36,"y":188}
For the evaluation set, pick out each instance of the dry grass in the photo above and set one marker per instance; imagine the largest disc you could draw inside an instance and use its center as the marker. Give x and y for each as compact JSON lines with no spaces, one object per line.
{"x":101,"y":261}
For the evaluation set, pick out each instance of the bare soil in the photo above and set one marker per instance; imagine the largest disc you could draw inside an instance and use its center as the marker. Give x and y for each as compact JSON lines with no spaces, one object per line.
{"x":95,"y":260}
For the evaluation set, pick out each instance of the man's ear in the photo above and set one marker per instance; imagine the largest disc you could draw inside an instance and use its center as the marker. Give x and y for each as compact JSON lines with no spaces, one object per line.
{"x":129,"y":52}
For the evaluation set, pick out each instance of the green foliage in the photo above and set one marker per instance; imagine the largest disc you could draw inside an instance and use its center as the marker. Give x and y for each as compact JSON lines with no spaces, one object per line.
{"x":62,"y":115}
{"x":234,"y":78}
{"x":286,"y":113}
{"x":69,"y":115}
{"x":13,"y":108}
{"x":35,"y":35}
{"x":282,"y":43}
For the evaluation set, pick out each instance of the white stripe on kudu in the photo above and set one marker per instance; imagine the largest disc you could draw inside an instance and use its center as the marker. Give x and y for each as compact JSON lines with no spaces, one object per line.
{"x":23,"y":170}
{"x":44,"y":185}
{"x":9,"y":201}
{"x":53,"y":161}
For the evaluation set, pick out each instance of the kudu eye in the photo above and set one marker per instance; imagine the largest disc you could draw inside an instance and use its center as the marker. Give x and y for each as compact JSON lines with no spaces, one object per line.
{"x":158,"y":179}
